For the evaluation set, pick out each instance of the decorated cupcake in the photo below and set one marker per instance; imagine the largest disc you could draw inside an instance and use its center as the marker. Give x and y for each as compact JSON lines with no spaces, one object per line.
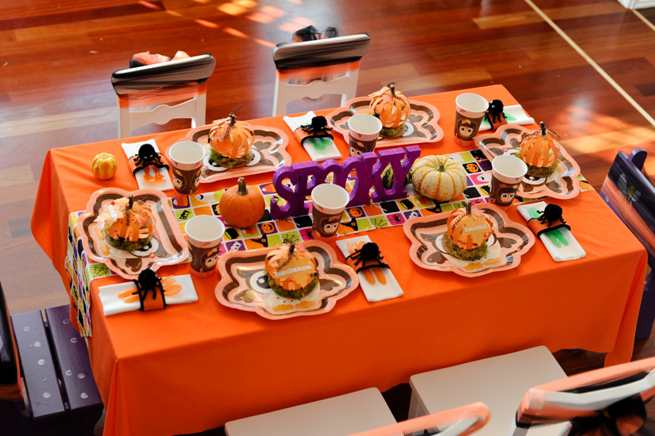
{"x":292,"y":271}
{"x":128,"y":225}
{"x":468,"y":234}
{"x":540,"y":152}
{"x":392,"y":108}
{"x":231,"y":142}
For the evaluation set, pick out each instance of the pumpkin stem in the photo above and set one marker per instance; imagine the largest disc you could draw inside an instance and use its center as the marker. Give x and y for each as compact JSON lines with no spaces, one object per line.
{"x":392,"y":88}
{"x":543,"y":128}
{"x":468,"y":207}
{"x":233,"y":118}
{"x":242,"y":188}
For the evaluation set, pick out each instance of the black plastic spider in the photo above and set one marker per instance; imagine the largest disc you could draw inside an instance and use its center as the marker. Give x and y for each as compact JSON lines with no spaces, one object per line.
{"x":552,"y":214}
{"x":318,"y":127}
{"x":149,"y":283}
{"x":367,"y":257}
{"x":495,"y":112}
{"x":147,"y":156}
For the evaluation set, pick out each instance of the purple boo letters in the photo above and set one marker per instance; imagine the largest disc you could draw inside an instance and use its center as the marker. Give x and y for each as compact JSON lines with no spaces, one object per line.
{"x":295,"y":182}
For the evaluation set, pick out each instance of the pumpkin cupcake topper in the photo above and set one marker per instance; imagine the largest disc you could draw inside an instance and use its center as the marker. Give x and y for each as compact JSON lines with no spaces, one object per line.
{"x":231,"y":139}
{"x":468,"y":233}
{"x":292,"y":271}
{"x":540,"y":151}
{"x":392,"y":107}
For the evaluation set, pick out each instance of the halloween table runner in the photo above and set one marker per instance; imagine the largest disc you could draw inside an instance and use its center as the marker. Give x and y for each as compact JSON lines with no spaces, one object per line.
{"x":269,"y":232}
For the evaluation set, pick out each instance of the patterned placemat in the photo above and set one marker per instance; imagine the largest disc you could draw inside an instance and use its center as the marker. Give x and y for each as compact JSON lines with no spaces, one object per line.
{"x":269,"y":232}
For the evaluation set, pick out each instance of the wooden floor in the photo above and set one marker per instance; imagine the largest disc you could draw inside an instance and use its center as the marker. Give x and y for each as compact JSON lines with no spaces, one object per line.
{"x":56,"y":58}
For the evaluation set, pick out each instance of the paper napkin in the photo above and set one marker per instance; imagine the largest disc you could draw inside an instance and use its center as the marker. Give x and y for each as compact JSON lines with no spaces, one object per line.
{"x":112,"y":304}
{"x":373,"y":291}
{"x":162,"y":183}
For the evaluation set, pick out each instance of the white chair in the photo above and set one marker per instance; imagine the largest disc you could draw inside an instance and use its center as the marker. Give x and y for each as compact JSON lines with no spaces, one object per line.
{"x":313,"y":69}
{"x":499,"y":382}
{"x":162,"y":92}
{"x":462,"y":421}
{"x":336,"y":416}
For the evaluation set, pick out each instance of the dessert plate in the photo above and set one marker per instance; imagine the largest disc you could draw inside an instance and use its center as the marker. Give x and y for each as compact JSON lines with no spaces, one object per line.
{"x":244,"y":284}
{"x":511,"y":241}
{"x":167,"y":248}
{"x":269,"y":153}
{"x":563,"y":184}
{"x":422,"y":124}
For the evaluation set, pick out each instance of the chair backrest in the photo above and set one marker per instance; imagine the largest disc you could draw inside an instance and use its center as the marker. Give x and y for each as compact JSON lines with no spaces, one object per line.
{"x":631,"y":195}
{"x":312,"y":69}
{"x":461,"y":421}
{"x":161,"y":92}
{"x":612,"y":393}
{"x":8,"y":369}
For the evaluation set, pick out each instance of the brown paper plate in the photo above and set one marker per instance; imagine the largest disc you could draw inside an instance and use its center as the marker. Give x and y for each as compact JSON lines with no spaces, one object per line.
{"x":243,"y":284}
{"x":168,"y":244}
{"x":562,"y":184}
{"x":270,"y":153}
{"x":422,"y":124}
{"x":512,"y":240}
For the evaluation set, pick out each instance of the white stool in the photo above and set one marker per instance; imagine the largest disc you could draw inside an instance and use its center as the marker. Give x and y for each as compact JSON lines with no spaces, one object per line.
{"x":336,"y":416}
{"x":499,"y":382}
{"x":313,"y":69}
{"x":162,"y":92}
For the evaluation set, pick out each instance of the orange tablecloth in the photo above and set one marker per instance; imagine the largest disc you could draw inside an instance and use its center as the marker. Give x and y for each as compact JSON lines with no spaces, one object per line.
{"x":194,"y":367}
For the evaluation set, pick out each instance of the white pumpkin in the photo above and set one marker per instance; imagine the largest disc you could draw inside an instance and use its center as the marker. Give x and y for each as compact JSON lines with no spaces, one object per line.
{"x":438,"y":177}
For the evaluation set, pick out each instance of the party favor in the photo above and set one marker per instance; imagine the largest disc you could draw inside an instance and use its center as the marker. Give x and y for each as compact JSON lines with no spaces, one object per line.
{"x":314,"y":135}
{"x":123,"y":297}
{"x":547,"y":222}
{"x":150,"y":171}
{"x":375,"y":276}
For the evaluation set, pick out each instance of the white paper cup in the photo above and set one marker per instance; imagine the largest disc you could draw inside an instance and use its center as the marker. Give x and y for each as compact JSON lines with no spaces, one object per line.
{"x":329,"y":202}
{"x":204,"y":234}
{"x":470,"y":111}
{"x":507,"y":171}
{"x":363,"y":133}
{"x":186,"y":158}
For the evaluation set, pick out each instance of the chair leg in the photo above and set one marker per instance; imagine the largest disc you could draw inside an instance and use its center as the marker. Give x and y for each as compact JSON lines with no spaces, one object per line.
{"x":416,"y":407}
{"x":123,"y":122}
{"x":201,"y":111}
{"x":647,"y":310}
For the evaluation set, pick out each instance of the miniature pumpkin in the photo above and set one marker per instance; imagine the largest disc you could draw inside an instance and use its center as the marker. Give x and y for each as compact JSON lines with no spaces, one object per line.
{"x":438,"y":177}
{"x":231,"y":138}
{"x":242,"y":206}
{"x":104,"y":166}
{"x":469,"y":229}
{"x":539,"y":149}
{"x":392,"y":108}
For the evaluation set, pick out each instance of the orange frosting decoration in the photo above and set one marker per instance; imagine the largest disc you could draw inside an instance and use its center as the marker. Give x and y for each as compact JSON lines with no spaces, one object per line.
{"x":390,"y":106}
{"x":539,"y":149}
{"x":231,"y":138}
{"x":469,"y":229}
{"x":131,"y":224}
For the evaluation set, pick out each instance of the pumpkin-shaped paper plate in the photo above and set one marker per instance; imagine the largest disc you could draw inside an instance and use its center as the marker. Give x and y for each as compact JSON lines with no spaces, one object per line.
{"x":166,"y":245}
{"x":244,"y":284}
{"x":562,"y":184}
{"x":421,"y":126}
{"x":510,"y":240}
{"x":269,"y":152}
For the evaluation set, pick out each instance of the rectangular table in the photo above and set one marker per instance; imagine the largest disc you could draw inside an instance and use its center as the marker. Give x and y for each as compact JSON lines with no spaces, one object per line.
{"x":194,"y":367}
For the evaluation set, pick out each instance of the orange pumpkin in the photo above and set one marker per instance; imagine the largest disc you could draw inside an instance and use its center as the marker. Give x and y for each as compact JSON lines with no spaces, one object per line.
{"x":242,"y":206}
{"x":539,"y":150}
{"x":392,"y":108}
{"x":469,"y":229}
{"x":231,"y":138}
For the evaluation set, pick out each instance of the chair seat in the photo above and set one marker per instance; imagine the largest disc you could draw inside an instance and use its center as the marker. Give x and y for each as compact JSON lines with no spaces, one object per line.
{"x":499,"y":382}
{"x":354,"y":412}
